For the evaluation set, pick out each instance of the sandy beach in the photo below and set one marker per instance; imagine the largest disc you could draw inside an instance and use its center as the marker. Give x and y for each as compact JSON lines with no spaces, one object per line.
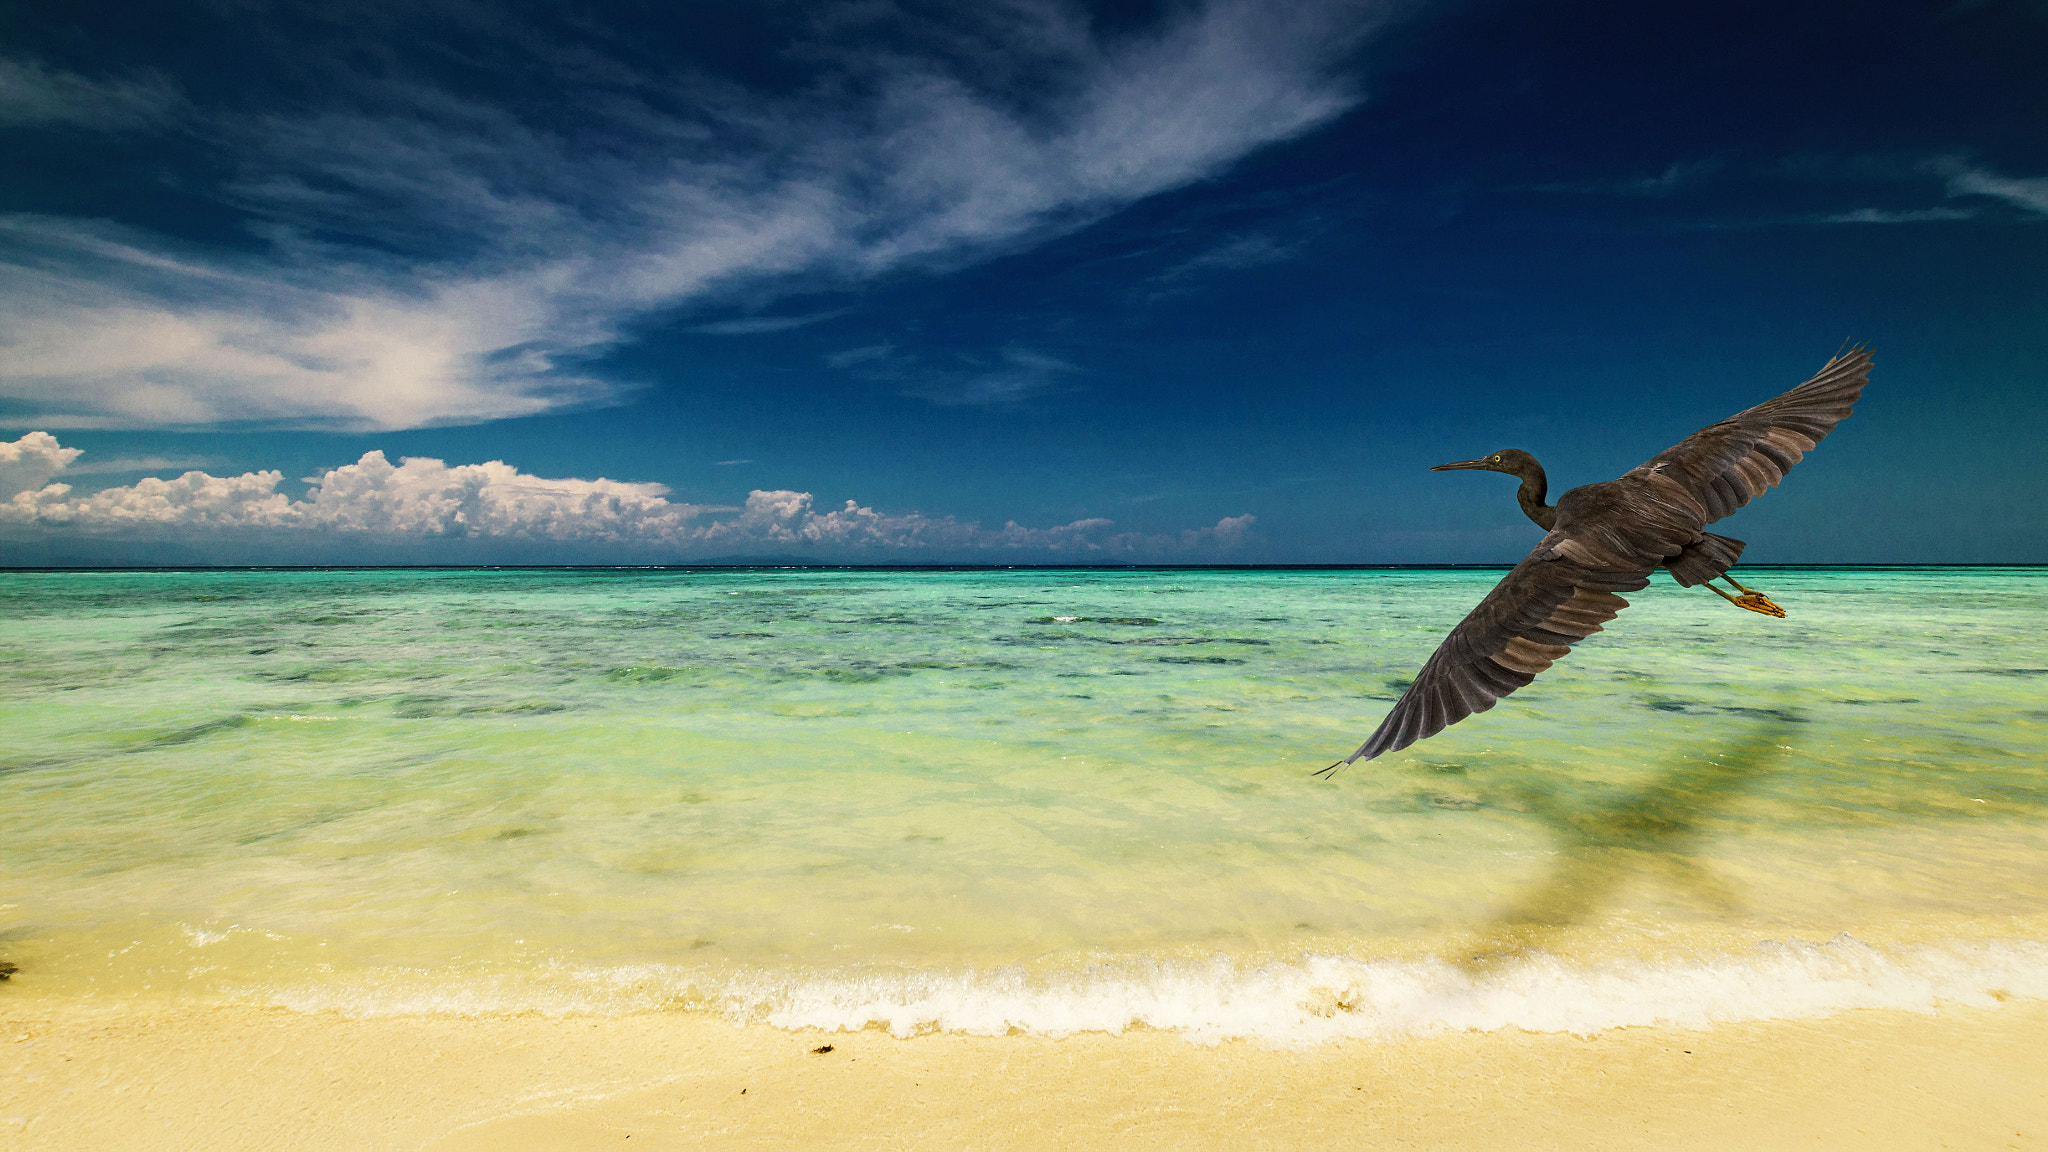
{"x":166,"y":1077}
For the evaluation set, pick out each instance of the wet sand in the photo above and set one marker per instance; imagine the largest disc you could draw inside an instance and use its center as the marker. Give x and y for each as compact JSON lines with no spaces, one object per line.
{"x":141,"y":1077}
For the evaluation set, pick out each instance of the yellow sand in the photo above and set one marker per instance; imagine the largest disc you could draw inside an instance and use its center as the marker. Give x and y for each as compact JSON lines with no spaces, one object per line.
{"x":136,"y":1077}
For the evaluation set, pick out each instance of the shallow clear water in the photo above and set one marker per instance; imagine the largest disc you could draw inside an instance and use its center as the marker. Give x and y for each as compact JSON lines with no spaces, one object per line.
{"x":1044,"y":800}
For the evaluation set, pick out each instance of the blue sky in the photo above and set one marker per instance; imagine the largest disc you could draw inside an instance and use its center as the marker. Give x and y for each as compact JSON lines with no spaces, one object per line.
{"x":1002,"y":283}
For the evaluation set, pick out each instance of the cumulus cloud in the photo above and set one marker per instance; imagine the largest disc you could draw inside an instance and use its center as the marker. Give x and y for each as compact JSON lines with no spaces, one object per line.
{"x":29,"y":462}
{"x":435,"y":258}
{"x":195,"y":499}
{"x":425,"y":497}
{"x":420,"y":499}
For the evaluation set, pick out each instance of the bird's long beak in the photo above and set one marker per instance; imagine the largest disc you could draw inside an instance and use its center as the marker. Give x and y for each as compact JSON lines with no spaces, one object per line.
{"x":1457,"y":464}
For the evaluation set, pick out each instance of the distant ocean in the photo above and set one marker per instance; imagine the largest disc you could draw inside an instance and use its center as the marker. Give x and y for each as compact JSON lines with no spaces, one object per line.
{"x":997,"y":800}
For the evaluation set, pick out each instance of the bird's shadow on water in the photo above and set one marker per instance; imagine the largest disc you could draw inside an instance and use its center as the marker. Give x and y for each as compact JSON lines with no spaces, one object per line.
{"x":1655,"y":829}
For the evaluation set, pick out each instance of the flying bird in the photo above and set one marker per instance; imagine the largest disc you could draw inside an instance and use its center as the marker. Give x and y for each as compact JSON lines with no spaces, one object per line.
{"x":1608,"y":538}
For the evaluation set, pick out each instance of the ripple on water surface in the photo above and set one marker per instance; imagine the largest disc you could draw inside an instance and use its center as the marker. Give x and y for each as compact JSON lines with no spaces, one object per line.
{"x":992,"y":799}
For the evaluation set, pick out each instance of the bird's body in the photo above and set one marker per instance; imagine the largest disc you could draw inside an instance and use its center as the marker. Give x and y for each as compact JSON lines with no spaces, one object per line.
{"x":1608,"y":538}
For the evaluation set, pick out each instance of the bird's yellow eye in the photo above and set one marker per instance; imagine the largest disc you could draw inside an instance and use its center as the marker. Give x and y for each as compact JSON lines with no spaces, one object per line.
{"x":1493,"y":459}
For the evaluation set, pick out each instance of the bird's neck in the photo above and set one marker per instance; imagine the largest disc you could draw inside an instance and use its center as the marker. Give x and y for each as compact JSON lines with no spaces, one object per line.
{"x":1530,"y":495}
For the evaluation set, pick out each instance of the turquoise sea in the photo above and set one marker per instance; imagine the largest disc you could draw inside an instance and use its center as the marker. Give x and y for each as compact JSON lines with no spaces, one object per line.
{"x":996,"y":800}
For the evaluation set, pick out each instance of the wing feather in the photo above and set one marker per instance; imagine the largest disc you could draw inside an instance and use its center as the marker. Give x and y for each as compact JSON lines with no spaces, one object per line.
{"x":1549,"y":602}
{"x":1724,"y":466}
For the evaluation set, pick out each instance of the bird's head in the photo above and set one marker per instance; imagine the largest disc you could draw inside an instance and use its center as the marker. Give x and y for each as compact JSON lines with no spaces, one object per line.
{"x":1512,"y":461}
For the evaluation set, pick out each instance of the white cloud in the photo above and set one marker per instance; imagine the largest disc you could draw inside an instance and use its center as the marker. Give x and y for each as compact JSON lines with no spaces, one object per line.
{"x":33,"y":95}
{"x":1018,"y":375}
{"x":420,"y":499}
{"x":528,"y":249}
{"x":1004,"y":379}
{"x":103,"y":331}
{"x":426,"y":497}
{"x":1675,"y":175}
{"x":1890,"y":216}
{"x":1251,"y":250}
{"x":122,"y":464}
{"x":862,"y":355}
{"x":122,"y":335}
{"x":28,"y":463}
{"x":761,"y":325}
{"x":1232,"y":530}
{"x":195,"y":499}
{"x":2030,"y":194}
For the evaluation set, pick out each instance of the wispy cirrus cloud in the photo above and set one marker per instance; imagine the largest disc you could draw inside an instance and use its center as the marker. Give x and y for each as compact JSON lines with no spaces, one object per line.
{"x":865,"y":354}
{"x":1247,"y":250}
{"x":438,"y":257}
{"x":1901,"y":176}
{"x":2020,"y":192}
{"x":1008,"y":378}
{"x":1897,"y":216}
{"x":423,"y":500}
{"x":1016,"y":376}
{"x":1676,"y":175}
{"x":124,"y":465}
{"x":764,"y":325}
{"x":1958,"y":176}
{"x":37,"y":96}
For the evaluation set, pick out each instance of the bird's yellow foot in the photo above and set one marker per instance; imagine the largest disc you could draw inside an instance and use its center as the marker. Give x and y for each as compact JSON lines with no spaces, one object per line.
{"x":1751,"y":599}
{"x":1757,"y":602}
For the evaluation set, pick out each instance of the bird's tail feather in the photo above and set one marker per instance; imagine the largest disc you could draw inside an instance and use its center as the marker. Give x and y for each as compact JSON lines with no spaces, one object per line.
{"x":1706,"y":558}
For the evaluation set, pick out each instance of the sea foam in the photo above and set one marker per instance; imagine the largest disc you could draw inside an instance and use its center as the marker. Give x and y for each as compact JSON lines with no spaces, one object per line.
{"x":1313,"y":1000}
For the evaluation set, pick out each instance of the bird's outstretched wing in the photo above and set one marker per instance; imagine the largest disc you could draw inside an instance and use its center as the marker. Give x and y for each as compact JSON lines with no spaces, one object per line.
{"x":1724,"y":466}
{"x":1532,"y":617}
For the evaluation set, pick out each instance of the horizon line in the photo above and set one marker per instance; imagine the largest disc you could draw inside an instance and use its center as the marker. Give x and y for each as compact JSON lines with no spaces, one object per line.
{"x":933,"y":567}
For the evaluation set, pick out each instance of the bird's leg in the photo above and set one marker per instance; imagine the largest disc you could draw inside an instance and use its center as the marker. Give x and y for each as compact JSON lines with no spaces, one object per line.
{"x":1751,"y":599}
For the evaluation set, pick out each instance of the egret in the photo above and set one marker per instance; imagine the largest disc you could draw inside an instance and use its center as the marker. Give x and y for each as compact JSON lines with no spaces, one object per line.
{"x":1608,"y":538}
